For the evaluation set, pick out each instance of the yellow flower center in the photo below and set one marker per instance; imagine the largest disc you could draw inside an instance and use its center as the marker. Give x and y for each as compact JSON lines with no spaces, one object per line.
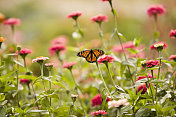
{"x":2,"y":39}
{"x":158,"y":45}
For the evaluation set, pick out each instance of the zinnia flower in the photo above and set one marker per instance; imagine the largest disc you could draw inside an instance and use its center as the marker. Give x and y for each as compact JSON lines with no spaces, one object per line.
{"x":12,"y":21}
{"x":97,"y":100}
{"x":172,"y":34}
{"x":143,"y":88}
{"x":69,"y":65}
{"x":119,"y":103}
{"x":2,"y":39}
{"x":155,"y":10}
{"x":100,"y":112}
{"x":106,"y":0}
{"x":74,"y":15}
{"x":2,"y":18}
{"x":152,"y":63}
{"x":49,"y":66}
{"x":25,"y":81}
{"x":56,"y":49}
{"x":24,"y":52}
{"x":158,"y":46}
{"x":59,"y":40}
{"x":40,"y":59}
{"x":128,"y":44}
{"x":172,"y":57}
{"x":106,"y":59}
{"x":99,"y":18}
{"x":142,"y":77}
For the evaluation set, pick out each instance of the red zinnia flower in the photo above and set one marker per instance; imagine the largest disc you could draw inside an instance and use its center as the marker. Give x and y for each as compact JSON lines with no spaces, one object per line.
{"x":12,"y":21}
{"x":56,"y":49}
{"x":99,"y":18}
{"x":154,"y":10}
{"x":25,"y":81}
{"x":97,"y":100}
{"x":105,"y":0}
{"x":142,"y":77}
{"x":158,"y":46}
{"x":172,"y":57}
{"x":24,"y":52}
{"x":152,"y":63}
{"x":106,"y":59}
{"x":143,"y":88}
{"x":74,"y":15}
{"x":100,"y":112}
{"x":69,"y":65}
{"x":172,"y":34}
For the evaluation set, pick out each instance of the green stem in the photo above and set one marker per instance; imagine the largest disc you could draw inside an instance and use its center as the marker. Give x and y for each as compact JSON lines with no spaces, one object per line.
{"x":41,"y":68}
{"x":103,"y":79}
{"x":76,"y":88}
{"x":17,"y":79}
{"x":50,"y":85}
{"x":24,"y":59}
{"x":110,"y":74}
{"x":101,"y":35}
{"x":150,"y":87}
{"x":159,"y":65}
{"x":29,"y":89}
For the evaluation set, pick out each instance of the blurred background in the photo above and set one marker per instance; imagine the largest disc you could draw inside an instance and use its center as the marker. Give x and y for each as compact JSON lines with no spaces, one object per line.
{"x":44,"y":20}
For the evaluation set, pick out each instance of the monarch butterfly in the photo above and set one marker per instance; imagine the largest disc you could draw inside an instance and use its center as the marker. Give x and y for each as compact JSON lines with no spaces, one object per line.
{"x":91,"y":56}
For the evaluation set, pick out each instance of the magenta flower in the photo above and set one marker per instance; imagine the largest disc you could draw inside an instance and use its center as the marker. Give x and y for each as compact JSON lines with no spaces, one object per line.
{"x":128,"y":44}
{"x":25,"y":81}
{"x":152,"y":63}
{"x":117,"y":48}
{"x":97,"y":100}
{"x":155,"y":10}
{"x":106,"y":59}
{"x":172,"y":34}
{"x":100,"y":112}
{"x":172,"y":57}
{"x":143,"y":88}
{"x":69,"y":65}
{"x":49,"y":64}
{"x":99,"y":18}
{"x":40,"y":59}
{"x":12,"y":21}
{"x":56,"y":49}
{"x":106,"y":0}
{"x":24,"y":52}
{"x":142,"y":77}
{"x":158,"y":46}
{"x":59,"y":40}
{"x":74,"y":15}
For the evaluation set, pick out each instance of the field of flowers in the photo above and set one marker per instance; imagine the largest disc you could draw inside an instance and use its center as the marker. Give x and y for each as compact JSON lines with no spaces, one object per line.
{"x":111,"y":76}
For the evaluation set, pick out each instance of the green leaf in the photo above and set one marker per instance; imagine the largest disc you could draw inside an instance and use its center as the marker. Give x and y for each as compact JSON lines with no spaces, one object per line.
{"x":121,"y":36}
{"x":153,"y":68}
{"x":157,"y":81}
{"x":3,"y":111}
{"x":59,"y":84}
{"x":167,"y":108}
{"x":2,"y":97}
{"x":45,"y":102}
{"x":143,"y":80}
{"x":122,"y":69}
{"x":18,"y":62}
{"x":156,"y":35}
{"x":133,"y":51}
{"x":136,"y":42}
{"x":7,"y":75}
{"x":27,"y":77}
{"x":170,"y":62}
{"x":140,"y":112}
{"x":113,"y":32}
{"x":36,"y":111}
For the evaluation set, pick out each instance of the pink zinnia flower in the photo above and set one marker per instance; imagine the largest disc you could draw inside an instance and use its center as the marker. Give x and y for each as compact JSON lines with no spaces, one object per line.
{"x":128,"y":44}
{"x":154,"y":10}
{"x":106,"y":59}
{"x":40,"y":59}
{"x":143,"y":88}
{"x":99,"y":18}
{"x":106,"y":0}
{"x":100,"y":112}
{"x":142,"y":77}
{"x":59,"y":40}
{"x":74,"y":15}
{"x":24,"y":52}
{"x":152,"y":63}
{"x":12,"y":21}
{"x":49,"y":64}
{"x":97,"y":100}
{"x":172,"y":57}
{"x":158,"y":46}
{"x":56,"y":49}
{"x":119,"y":103}
{"x":69,"y":65}
{"x":117,"y":48}
{"x":25,"y":81}
{"x":172,"y":34}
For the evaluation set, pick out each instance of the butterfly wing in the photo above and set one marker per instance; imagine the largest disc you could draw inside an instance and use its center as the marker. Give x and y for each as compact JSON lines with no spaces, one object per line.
{"x":91,"y":58}
{"x":98,"y":52}
{"x":83,"y":53}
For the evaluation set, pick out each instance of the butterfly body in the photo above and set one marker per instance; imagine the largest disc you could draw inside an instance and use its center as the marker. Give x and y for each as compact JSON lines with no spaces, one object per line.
{"x":91,"y":55}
